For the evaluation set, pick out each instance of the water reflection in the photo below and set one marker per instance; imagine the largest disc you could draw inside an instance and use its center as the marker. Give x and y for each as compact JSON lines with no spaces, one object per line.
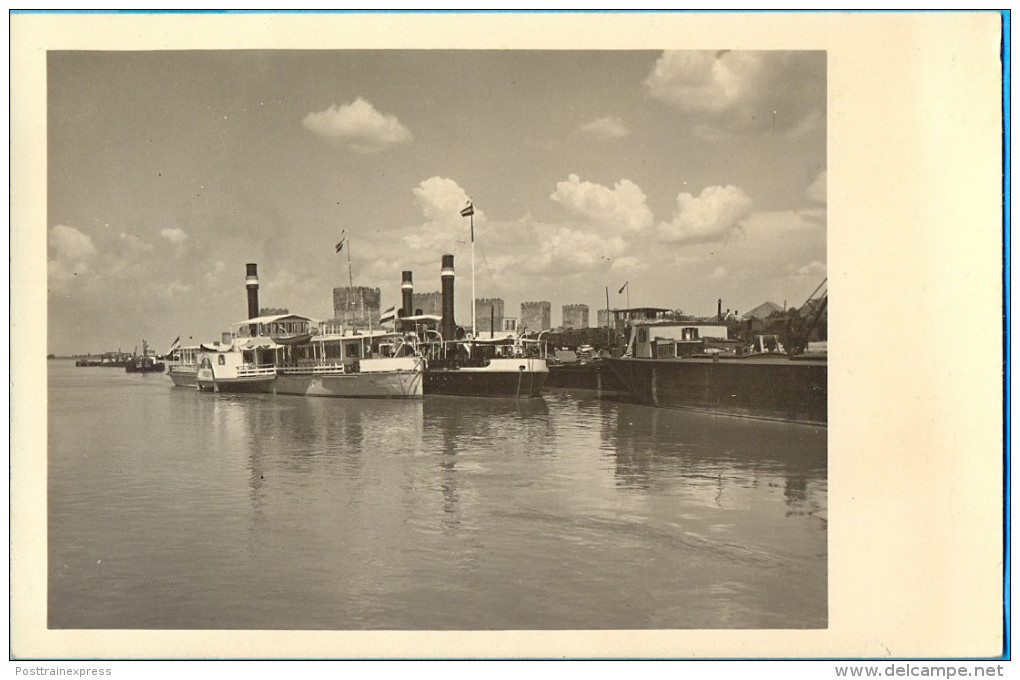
{"x":652,"y":444}
{"x":459,"y":427}
{"x":255,"y":511}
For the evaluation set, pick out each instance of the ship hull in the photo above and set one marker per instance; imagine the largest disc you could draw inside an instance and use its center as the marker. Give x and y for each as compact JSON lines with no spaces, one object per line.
{"x":183,"y":378}
{"x":244,"y":386}
{"x":594,"y":376}
{"x":776,"y":388}
{"x":144,"y":367}
{"x":253,"y":385}
{"x":500,"y":378}
{"x":376,"y":385}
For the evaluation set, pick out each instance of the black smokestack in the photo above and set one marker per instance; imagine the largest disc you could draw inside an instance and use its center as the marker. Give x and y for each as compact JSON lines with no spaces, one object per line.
{"x":407,"y":290}
{"x":718,"y":310}
{"x":251,"y":282}
{"x":449,"y":328}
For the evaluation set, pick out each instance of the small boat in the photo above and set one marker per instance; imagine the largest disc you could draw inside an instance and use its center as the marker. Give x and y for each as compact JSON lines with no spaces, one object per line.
{"x":182,"y":365}
{"x":356,"y":364}
{"x":248,"y":361}
{"x":145,"y":364}
{"x":106,"y":360}
{"x":241,"y":366}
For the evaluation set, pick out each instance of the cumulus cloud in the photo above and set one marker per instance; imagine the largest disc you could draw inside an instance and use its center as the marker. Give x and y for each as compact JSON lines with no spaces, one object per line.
{"x":359,"y":126}
{"x":627,"y":263}
{"x":215,"y":274}
{"x":71,"y":244}
{"x":568,"y":251}
{"x":774,"y":256}
{"x":743,"y":91}
{"x":815,"y":269}
{"x":606,"y":128}
{"x":622,"y":207}
{"x":700,"y":80}
{"x":74,"y":254}
{"x":130,"y":244}
{"x":175,"y":236}
{"x":713,"y":215}
{"x":441,"y":200}
{"x":175,"y":290}
{"x":819,"y":188}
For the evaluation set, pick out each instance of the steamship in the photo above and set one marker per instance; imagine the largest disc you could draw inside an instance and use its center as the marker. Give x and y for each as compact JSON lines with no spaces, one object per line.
{"x":292,"y":354}
{"x":457,"y":364}
{"x":334,"y":363}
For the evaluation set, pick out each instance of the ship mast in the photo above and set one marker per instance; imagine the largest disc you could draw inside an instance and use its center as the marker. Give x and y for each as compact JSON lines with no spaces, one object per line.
{"x":469,"y":212}
{"x":345,"y":241}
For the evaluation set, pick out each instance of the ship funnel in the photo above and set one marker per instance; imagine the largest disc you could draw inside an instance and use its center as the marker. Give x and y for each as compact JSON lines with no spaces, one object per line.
{"x":449,"y":328}
{"x":251,"y":282}
{"x":407,"y":291}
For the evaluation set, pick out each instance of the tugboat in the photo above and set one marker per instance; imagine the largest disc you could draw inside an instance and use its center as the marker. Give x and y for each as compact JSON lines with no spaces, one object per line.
{"x":459,"y":364}
{"x":145,"y":363}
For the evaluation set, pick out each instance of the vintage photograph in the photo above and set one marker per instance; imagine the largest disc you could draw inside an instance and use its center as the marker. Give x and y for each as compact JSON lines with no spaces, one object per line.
{"x":437,"y":340}
{"x":506,"y":336}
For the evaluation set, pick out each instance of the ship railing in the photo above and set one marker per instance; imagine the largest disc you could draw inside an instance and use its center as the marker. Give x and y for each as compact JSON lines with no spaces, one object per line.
{"x":251,"y":371}
{"x":313,"y":367}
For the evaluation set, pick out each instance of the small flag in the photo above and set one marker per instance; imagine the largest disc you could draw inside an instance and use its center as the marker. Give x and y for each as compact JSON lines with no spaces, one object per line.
{"x":622,"y":288}
{"x":340,"y":246}
{"x":468,"y":211}
{"x":389,"y":315}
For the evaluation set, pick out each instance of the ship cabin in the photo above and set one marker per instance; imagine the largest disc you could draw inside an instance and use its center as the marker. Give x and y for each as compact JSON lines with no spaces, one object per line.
{"x":256,"y":346}
{"x":276,"y":326}
{"x":624,"y":318}
{"x":184,"y":356}
{"x":332,"y":346}
{"x":673,"y":339}
{"x":482,"y":350}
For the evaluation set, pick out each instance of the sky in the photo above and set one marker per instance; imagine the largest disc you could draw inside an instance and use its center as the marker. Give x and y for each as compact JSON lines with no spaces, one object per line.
{"x":689,"y":176}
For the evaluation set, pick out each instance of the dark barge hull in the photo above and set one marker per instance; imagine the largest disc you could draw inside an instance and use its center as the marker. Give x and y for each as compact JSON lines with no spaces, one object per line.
{"x":146,"y":367}
{"x":467,"y":383}
{"x":774,"y":388}
{"x":595,"y":376}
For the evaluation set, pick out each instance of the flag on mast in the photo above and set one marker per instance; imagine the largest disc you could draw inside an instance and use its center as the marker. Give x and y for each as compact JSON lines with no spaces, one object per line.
{"x":343,"y":239}
{"x":468,"y":212}
{"x":622,"y":288}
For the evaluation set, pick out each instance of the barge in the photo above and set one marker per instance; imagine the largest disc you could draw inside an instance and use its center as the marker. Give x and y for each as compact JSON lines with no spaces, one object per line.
{"x":761,"y":382}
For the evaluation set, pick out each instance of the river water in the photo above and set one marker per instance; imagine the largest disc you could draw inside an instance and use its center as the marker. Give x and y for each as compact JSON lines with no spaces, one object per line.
{"x":174,"y":509}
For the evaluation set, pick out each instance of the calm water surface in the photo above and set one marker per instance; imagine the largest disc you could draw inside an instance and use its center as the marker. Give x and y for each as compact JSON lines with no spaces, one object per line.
{"x":170,"y":508}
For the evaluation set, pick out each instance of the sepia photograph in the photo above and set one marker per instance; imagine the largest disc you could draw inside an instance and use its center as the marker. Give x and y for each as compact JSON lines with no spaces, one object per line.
{"x":256,"y":218}
{"x":425,"y":337}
